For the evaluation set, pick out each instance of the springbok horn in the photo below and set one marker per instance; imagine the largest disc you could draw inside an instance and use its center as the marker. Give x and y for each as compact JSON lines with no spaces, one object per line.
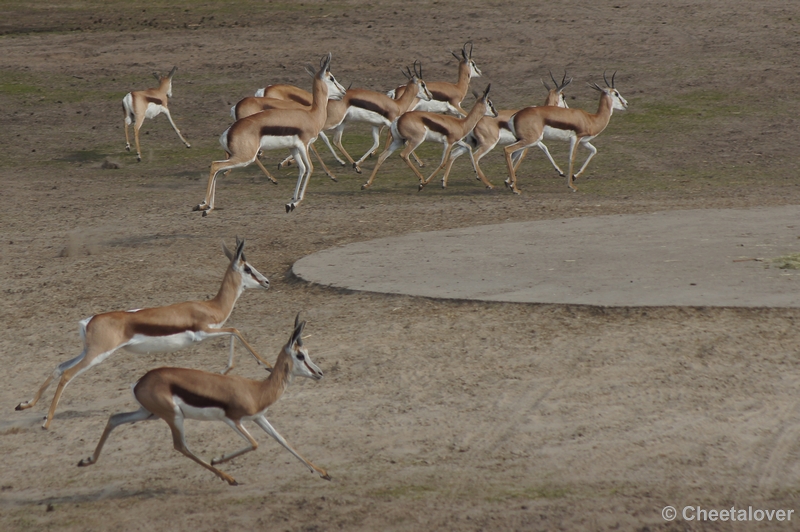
{"x":554,"y":79}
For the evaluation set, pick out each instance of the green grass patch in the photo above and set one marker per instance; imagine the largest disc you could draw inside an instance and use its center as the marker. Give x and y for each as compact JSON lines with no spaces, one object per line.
{"x":411,"y":491}
{"x":787,"y":262}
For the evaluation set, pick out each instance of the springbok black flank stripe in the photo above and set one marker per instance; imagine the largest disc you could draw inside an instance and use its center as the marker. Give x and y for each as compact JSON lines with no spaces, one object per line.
{"x":156,"y":101}
{"x":442,"y":97}
{"x":280,"y":131}
{"x":434,"y":126}
{"x":299,"y":99}
{"x":558,"y":124}
{"x":194,"y":399}
{"x":370,"y":106}
{"x":151,"y":329}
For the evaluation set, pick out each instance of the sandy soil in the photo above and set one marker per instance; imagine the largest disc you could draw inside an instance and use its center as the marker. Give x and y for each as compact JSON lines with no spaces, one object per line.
{"x":433,"y":415}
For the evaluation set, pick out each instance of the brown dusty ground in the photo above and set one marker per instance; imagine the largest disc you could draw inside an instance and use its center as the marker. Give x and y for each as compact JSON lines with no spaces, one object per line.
{"x":433,"y":415}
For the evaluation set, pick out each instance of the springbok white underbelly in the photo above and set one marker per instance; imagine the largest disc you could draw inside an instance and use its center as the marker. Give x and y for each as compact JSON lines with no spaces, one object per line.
{"x":153,"y":110}
{"x":142,"y":344}
{"x":357,"y":114}
{"x":435,"y":106}
{"x":563,"y":135}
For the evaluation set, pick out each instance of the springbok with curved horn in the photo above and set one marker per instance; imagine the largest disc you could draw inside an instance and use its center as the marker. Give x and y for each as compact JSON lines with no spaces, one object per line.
{"x":138,"y":105}
{"x":447,"y":97}
{"x":492,"y":131}
{"x":159,"y":329}
{"x":288,"y":100}
{"x":175,"y":394}
{"x":294,"y":129}
{"x":415,"y":127}
{"x":528,"y":128}
{"x":377,"y":109}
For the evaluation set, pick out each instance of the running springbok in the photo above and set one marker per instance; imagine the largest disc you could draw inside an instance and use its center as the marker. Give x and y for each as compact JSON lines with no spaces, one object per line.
{"x":175,"y":394}
{"x":294,"y":129}
{"x":159,"y":329}
{"x":415,"y":127}
{"x":138,"y":105}
{"x":493,"y":131}
{"x":447,"y":97}
{"x":358,"y":105}
{"x":377,"y":110}
{"x":528,"y":128}
{"x":285,"y":97}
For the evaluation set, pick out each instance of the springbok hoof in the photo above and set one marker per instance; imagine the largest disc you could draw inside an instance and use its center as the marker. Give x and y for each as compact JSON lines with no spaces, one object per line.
{"x":365,"y":186}
{"x":128,"y":147}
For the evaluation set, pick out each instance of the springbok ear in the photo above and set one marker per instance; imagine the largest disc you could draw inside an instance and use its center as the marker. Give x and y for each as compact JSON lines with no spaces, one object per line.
{"x":310,"y":71}
{"x":486,"y":92}
{"x":298,"y":332}
{"x":476,"y":95}
{"x":239,"y":253}
{"x":155,"y":75}
{"x":228,"y":253}
{"x":172,"y":72}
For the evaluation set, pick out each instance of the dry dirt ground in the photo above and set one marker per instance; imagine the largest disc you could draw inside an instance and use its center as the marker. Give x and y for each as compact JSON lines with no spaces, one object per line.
{"x":433,"y":415}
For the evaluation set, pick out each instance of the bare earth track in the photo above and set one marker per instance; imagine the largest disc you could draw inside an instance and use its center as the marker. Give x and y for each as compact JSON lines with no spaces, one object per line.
{"x":433,"y":414}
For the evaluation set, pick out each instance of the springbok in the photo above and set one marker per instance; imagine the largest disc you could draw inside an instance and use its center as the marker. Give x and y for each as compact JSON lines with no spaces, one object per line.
{"x":159,"y":329}
{"x":285,"y":99}
{"x":175,"y":394}
{"x":138,"y":105}
{"x":377,"y":110}
{"x":491,"y":131}
{"x":447,"y":97}
{"x":415,"y":127}
{"x":283,"y":91}
{"x":528,"y":126}
{"x":294,"y":129}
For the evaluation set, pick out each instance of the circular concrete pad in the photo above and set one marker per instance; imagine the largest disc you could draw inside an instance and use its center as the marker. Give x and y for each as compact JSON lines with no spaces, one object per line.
{"x":685,"y":258}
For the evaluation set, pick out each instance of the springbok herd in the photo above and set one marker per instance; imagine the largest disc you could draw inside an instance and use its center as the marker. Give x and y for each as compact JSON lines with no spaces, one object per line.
{"x":287,"y":117}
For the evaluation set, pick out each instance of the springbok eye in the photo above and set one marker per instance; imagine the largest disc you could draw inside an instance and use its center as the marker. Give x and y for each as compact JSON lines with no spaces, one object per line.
{"x":247,"y":270}
{"x":301,"y":356}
